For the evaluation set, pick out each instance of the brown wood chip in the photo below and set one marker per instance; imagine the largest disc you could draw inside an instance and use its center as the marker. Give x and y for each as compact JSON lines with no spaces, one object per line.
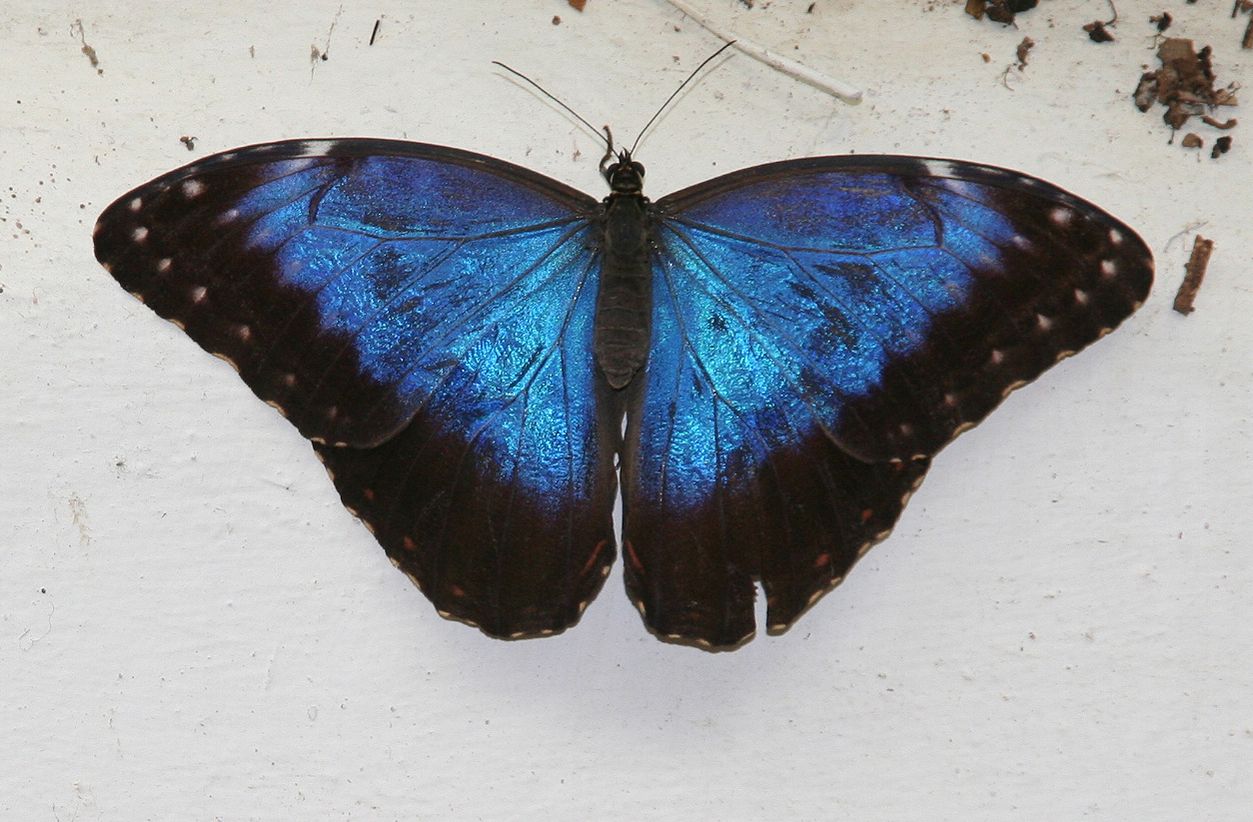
{"x":1194,"y":273}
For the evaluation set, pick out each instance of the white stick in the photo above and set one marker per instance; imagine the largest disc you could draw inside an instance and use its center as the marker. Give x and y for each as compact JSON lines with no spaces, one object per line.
{"x":790,"y":67}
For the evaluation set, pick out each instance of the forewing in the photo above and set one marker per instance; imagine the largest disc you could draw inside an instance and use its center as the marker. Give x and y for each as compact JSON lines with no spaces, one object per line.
{"x":424,"y":315}
{"x":822,"y":327}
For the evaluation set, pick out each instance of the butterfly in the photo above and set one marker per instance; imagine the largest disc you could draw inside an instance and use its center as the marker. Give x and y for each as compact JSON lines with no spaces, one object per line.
{"x":462,"y":340}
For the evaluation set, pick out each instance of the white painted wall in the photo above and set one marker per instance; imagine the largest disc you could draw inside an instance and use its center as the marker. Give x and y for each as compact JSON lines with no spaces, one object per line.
{"x":192,"y":627}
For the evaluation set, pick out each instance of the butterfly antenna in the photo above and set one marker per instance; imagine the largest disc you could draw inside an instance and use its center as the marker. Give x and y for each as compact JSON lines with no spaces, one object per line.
{"x":675,"y":93}
{"x":552,"y":97}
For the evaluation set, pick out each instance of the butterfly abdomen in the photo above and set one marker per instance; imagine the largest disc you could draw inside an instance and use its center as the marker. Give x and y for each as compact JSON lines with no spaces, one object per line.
{"x":624,"y":303}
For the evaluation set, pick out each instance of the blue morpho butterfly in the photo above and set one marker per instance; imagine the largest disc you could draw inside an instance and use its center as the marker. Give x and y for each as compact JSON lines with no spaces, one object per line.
{"x":461,"y":339}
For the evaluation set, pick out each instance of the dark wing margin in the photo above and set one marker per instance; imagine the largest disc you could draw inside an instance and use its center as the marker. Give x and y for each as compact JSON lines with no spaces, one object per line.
{"x":313,"y":266}
{"x":822,"y":328}
{"x":424,"y":315}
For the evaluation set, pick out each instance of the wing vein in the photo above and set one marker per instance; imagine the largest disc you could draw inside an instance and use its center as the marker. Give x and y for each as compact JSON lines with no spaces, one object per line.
{"x":474,"y":311}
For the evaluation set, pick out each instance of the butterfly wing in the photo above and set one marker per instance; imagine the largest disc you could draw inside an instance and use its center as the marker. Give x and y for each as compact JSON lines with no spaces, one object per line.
{"x":821,"y":328}
{"x":425,"y":316}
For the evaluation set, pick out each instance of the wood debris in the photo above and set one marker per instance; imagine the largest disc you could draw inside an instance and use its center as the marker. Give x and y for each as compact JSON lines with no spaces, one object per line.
{"x":999,"y":11}
{"x":1194,"y":274}
{"x":1185,"y":86}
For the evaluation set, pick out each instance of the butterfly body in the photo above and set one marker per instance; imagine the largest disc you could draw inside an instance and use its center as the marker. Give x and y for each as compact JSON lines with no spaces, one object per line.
{"x":624,"y":301}
{"x":462,"y":339}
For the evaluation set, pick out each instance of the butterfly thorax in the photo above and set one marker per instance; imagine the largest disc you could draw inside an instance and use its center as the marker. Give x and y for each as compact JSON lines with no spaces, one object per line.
{"x":624,"y":302}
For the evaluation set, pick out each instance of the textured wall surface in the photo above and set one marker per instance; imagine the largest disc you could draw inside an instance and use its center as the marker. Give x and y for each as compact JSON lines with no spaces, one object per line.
{"x":192,"y":626}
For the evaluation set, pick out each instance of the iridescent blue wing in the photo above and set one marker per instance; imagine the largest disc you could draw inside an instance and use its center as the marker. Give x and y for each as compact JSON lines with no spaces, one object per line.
{"x":425,"y":316}
{"x":821,"y":328}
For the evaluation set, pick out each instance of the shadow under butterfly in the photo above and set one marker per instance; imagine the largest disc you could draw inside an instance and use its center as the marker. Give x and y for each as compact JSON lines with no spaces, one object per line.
{"x":461,"y":339}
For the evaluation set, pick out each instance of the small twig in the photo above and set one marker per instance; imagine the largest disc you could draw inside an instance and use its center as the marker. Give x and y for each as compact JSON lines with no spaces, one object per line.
{"x":1246,"y":42}
{"x":1220,"y":124}
{"x":375,"y":33}
{"x":1194,"y":274}
{"x":1009,"y":67}
{"x":790,"y":67}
